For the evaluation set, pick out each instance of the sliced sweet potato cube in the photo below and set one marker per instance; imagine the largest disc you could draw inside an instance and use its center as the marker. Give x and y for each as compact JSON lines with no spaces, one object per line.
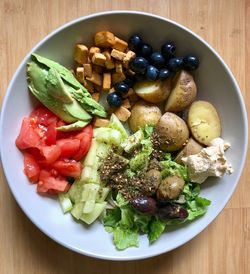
{"x":100,"y":122}
{"x":87,"y":70}
{"x":104,"y":39}
{"x":118,"y":55}
{"x":99,"y":59}
{"x":81,"y":54}
{"x":95,"y":78}
{"x":122,"y":113}
{"x":120,"y":44}
{"x":106,"y":83}
{"x":93,"y":50}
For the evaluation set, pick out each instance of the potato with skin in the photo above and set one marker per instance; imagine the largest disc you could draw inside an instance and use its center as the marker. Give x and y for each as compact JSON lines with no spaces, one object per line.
{"x":191,"y":148}
{"x":171,"y":132}
{"x":183,"y":93}
{"x":142,"y":114}
{"x":153,"y":91}
{"x":204,"y":122}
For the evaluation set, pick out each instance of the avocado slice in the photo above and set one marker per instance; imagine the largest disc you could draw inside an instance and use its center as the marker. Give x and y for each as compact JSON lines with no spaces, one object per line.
{"x":79,"y":92}
{"x":56,"y":87}
{"x":37,"y":83}
{"x":71,"y":127}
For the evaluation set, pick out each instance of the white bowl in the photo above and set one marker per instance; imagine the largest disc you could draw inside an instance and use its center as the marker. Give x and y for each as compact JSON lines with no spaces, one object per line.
{"x":215,"y":84}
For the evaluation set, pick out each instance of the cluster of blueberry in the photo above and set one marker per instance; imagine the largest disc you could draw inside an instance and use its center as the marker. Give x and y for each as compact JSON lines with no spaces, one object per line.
{"x":151,"y":65}
{"x":158,"y":65}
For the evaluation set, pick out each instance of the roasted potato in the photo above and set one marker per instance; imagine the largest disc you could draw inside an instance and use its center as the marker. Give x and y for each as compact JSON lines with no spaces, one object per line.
{"x":172,"y":132}
{"x":183,"y":93}
{"x":153,"y":92}
{"x":204,"y":122}
{"x":143,"y":114}
{"x":191,"y":148}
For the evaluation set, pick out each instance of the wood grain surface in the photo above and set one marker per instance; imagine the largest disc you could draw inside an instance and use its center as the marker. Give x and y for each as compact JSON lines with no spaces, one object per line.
{"x":224,"y":247}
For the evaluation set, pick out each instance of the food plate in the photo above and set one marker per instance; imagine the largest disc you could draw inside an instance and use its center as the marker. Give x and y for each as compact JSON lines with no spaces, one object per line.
{"x":216,"y":84}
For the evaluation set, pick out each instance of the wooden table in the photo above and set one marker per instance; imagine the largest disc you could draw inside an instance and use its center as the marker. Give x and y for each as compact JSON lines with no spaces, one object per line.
{"x":224,"y":247}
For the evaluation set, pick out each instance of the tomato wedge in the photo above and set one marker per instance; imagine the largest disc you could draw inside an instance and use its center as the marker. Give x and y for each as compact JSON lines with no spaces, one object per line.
{"x":69,"y":168}
{"x":50,"y":184}
{"x":85,"y":137}
{"x":31,"y":168}
{"x":50,"y":153}
{"x":27,"y":137}
{"x":69,"y":147}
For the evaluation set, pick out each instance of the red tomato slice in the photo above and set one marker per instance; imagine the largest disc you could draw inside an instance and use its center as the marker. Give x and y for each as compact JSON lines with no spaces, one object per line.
{"x":43,"y":115}
{"x":69,"y":147}
{"x":68,"y":168}
{"x":86,"y":137}
{"x":50,"y":153}
{"x":27,"y":137}
{"x":50,"y":135}
{"x":52,"y":185}
{"x":88,"y":130}
{"x":31,"y":168}
{"x":84,"y":147}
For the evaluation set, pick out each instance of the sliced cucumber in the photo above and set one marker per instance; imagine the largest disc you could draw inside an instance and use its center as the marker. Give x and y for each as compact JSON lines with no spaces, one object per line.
{"x":89,"y":175}
{"x":75,"y":191}
{"x":91,"y":159}
{"x":102,"y":150}
{"x":77,"y":210}
{"x":108,"y":135}
{"x":89,"y":218}
{"x":90,"y":192}
{"x":116,"y":124}
{"x":89,"y":206}
{"x":102,"y":194}
{"x":65,"y":202}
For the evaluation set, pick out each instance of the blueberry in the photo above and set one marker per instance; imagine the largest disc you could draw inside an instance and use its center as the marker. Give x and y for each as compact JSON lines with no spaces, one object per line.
{"x":146,"y":50}
{"x":121,"y":87}
{"x":165,"y":74}
{"x":157,"y":59}
{"x":114,"y":99}
{"x":152,"y":73}
{"x":138,"y":65}
{"x":168,"y":49}
{"x":175,"y":64}
{"x":135,"y":42}
{"x":130,"y":81}
{"x":190,"y":62}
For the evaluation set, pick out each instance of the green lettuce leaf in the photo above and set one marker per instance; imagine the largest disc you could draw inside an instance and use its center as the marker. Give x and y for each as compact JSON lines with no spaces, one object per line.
{"x":170,"y":167}
{"x":124,"y":238}
{"x":156,"y":228}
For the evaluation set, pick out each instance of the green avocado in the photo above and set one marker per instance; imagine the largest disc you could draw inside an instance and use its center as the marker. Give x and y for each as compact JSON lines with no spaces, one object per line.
{"x":71,"y":127}
{"x":38,"y":85}
{"x":56,"y":87}
{"x":78,"y":92}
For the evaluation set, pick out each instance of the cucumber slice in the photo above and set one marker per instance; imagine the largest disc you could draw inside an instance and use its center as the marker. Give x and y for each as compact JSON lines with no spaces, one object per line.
{"x":116,"y":124}
{"x":132,"y":141}
{"x":91,"y":159}
{"x":77,"y":210}
{"x":108,"y":135}
{"x":75,"y":191}
{"x":89,"y":175}
{"x":102,"y":194}
{"x":65,"y":202}
{"x":89,"y":192}
{"x":102,"y":150}
{"x":89,"y":218}
{"x":89,"y":206}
